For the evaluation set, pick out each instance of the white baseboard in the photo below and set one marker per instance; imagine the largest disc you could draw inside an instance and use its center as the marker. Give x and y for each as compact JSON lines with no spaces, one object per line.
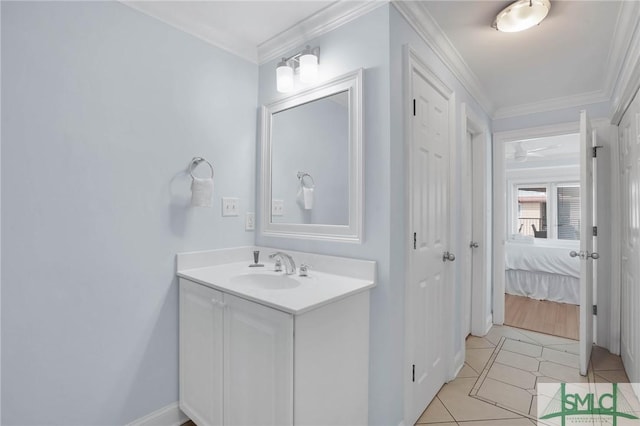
{"x":458,"y":363}
{"x":165,"y":416}
{"x":488,"y":324}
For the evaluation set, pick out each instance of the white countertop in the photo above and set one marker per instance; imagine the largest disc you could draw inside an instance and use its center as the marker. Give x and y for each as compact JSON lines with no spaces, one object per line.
{"x":311,"y":292}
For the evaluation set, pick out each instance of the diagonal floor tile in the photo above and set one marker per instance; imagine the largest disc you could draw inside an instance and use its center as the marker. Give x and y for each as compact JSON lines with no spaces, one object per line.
{"x":455,"y":397}
{"x":522,"y":348}
{"x":467,"y":371}
{"x":506,"y":395}
{"x":520,"y":421}
{"x":513,"y":376}
{"x":435,"y":413}
{"x":522,"y":362}
{"x":477,"y":358}
{"x":474,"y":342}
{"x":564,"y":358}
{"x":562,"y":373}
{"x":602,"y":359}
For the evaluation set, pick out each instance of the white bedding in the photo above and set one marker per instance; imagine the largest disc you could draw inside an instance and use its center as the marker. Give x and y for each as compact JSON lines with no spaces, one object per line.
{"x":543,"y":270}
{"x":541,"y":257}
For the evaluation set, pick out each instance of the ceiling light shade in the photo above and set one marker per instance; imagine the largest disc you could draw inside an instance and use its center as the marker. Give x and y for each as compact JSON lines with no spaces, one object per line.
{"x":284,"y":77}
{"x":521,"y":15}
{"x":308,"y":66}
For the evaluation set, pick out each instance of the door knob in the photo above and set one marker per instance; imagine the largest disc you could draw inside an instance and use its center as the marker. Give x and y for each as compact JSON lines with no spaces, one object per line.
{"x":574,"y":253}
{"x":594,"y":256}
{"x":448,"y":256}
{"x":474,"y":244}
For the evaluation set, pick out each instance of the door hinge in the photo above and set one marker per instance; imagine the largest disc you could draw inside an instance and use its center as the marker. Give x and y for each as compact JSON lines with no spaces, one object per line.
{"x":413,"y":373}
{"x":595,"y":231}
{"x":595,"y":309}
{"x":414,"y":240}
{"x":414,"y":107}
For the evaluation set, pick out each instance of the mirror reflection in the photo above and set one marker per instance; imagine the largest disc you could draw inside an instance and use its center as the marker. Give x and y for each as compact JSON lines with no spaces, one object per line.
{"x":310,"y":162}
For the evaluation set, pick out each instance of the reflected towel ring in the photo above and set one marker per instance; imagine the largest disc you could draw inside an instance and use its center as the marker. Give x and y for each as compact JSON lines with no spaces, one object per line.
{"x":302,"y":175}
{"x":195,"y":162}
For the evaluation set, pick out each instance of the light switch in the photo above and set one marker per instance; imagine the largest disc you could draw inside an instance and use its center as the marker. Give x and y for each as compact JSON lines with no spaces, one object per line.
{"x":250,"y":221}
{"x":230,"y":206}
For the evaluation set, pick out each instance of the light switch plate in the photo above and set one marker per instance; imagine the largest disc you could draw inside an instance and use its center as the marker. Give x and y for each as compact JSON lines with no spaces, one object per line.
{"x":250,"y":221}
{"x":230,"y":206}
{"x":277,"y":207}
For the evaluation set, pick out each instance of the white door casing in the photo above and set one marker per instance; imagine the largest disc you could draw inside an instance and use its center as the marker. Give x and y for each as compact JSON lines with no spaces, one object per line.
{"x":476,"y":208}
{"x":429,"y":326}
{"x":629,"y":139}
{"x":586,"y":242}
{"x":466,"y":253}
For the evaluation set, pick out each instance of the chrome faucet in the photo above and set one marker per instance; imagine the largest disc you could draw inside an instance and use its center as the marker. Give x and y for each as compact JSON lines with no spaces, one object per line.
{"x":289,"y":264}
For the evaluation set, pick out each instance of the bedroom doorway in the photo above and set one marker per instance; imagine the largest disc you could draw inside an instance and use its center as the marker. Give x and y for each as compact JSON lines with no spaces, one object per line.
{"x":553,"y":201}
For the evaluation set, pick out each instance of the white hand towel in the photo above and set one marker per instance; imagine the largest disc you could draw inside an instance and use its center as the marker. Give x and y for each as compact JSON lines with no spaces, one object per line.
{"x":201,"y":192}
{"x":305,"y":198}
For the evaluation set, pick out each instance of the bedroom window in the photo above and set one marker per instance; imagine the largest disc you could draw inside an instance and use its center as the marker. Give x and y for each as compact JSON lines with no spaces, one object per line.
{"x":547,"y":210}
{"x":568,"y":202}
{"x":532,"y":211}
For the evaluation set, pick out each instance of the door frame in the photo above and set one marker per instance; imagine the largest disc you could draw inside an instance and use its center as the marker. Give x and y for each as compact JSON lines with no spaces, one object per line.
{"x":480,"y":213}
{"x":500,"y":228}
{"x":413,"y":62}
{"x":601,"y":126}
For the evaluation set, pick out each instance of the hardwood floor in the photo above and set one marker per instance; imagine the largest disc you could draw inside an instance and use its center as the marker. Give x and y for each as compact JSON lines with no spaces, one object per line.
{"x":558,"y":319}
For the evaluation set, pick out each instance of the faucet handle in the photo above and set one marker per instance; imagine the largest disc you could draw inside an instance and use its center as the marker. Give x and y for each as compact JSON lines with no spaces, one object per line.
{"x":304,"y":270}
{"x":278,"y":265}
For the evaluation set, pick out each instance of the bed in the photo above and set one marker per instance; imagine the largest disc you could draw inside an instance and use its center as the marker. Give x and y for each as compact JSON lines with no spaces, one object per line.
{"x":543,"y":270}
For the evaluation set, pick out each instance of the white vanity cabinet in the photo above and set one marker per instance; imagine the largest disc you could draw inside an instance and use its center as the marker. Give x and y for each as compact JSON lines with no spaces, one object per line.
{"x":236,"y":359}
{"x":243,"y":363}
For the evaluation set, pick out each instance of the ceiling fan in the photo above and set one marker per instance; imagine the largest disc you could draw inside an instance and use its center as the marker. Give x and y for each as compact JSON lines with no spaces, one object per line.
{"x":521,"y":154}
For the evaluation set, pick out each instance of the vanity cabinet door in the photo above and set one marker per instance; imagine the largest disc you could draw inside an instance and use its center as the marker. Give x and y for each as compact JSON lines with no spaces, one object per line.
{"x":258,"y":364}
{"x":201,"y":364}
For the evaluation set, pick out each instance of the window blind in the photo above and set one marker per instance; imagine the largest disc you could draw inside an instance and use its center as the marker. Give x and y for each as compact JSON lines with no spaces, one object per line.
{"x":568,"y":213}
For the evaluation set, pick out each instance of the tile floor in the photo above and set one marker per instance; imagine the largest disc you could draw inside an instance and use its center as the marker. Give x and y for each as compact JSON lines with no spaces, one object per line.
{"x":496,"y":386}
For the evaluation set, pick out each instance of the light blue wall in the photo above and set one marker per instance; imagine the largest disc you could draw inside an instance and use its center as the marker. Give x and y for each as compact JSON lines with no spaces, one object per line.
{"x":103,"y":109}
{"x":364,"y":43}
{"x":402,"y":34}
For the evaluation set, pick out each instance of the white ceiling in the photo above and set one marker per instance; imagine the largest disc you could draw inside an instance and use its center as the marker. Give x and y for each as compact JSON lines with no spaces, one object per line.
{"x":572,"y":58}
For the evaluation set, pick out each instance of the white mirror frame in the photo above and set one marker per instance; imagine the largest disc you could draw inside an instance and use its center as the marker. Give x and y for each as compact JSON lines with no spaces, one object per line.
{"x":352,"y":84}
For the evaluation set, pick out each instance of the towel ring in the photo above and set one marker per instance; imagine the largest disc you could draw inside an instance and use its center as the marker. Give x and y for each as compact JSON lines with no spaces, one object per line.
{"x":302,"y":175}
{"x":195,"y":162}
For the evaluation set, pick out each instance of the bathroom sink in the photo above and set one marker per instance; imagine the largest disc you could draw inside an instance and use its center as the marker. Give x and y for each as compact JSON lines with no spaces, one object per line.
{"x":266,"y":281}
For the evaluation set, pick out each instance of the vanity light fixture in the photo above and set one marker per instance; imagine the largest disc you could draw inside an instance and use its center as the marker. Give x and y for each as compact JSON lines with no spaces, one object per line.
{"x":521,"y":15}
{"x":284,"y":76}
{"x":306,"y":64}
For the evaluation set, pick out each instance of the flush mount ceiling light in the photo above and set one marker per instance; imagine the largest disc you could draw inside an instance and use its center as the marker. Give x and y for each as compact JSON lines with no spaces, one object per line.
{"x":521,"y":15}
{"x":305,"y":62}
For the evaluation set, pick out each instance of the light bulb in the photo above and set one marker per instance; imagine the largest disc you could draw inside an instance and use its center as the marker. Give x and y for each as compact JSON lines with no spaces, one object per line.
{"x":284,"y":77}
{"x":308,"y":66}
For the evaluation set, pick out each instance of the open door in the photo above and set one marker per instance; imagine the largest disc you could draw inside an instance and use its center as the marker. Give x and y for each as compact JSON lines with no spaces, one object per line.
{"x":586,"y":242}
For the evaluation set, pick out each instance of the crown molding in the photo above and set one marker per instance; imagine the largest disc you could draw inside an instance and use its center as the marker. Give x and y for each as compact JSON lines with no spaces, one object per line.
{"x":209,"y":35}
{"x":325,"y":20}
{"x":628,"y":78}
{"x":419,"y":18}
{"x":620,"y":43}
{"x":552,"y":104}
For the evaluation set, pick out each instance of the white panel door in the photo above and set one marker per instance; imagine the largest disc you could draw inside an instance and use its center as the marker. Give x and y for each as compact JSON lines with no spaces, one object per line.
{"x":201,"y":353}
{"x":586,"y":242}
{"x":429,"y":279}
{"x":629,"y":139}
{"x":258,"y":364}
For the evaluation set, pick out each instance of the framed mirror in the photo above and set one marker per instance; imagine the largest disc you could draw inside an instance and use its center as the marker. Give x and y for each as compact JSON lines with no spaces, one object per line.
{"x":312,"y":165}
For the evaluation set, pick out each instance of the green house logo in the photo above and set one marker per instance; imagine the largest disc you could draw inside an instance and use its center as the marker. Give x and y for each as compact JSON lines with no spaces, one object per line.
{"x":579,"y":404}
